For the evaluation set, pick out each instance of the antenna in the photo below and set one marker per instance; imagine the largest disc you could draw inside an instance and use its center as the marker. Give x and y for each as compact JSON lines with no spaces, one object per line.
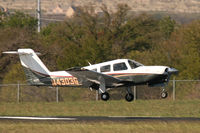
{"x":89,"y":63}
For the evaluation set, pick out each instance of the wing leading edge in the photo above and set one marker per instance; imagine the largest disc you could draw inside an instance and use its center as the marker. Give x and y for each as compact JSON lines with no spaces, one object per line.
{"x":93,"y":77}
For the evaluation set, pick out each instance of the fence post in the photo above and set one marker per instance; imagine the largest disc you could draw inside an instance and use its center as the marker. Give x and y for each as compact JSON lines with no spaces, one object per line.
{"x":18,"y":91}
{"x":57,"y":94}
{"x":97,"y":95}
{"x":174,"y":89}
{"x":135,"y":93}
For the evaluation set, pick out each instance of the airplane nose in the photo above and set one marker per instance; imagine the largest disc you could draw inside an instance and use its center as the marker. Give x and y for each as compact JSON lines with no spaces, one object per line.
{"x":172,"y":71}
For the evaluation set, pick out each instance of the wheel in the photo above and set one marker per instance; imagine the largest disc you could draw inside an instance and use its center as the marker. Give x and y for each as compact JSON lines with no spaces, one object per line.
{"x":164,"y":95}
{"x":129,"y":97}
{"x":105,"y":96}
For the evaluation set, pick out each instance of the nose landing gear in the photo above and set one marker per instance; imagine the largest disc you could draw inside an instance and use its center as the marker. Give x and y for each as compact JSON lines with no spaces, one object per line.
{"x":164,"y":93}
{"x":129,"y":97}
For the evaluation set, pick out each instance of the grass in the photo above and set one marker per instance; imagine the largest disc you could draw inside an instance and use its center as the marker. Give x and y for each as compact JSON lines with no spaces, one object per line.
{"x":100,"y":127}
{"x":183,"y":108}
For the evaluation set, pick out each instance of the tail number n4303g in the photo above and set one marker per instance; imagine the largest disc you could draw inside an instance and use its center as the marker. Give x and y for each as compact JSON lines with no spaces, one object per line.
{"x":64,"y":81}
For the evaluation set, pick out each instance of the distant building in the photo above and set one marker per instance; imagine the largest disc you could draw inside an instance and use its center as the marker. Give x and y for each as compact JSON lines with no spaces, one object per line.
{"x":58,"y":10}
{"x":71,"y":11}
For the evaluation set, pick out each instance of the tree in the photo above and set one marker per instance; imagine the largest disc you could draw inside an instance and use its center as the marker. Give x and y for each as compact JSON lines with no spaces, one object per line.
{"x":20,"y":20}
{"x":167,"y":26}
{"x":181,"y":51}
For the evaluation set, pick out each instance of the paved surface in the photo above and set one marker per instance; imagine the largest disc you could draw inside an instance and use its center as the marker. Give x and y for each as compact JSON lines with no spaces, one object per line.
{"x":98,"y":118}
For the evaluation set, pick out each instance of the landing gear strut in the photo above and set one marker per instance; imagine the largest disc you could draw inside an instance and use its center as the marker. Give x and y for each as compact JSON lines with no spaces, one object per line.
{"x":164,"y":93}
{"x":102,"y":89}
{"x":105,"y":96}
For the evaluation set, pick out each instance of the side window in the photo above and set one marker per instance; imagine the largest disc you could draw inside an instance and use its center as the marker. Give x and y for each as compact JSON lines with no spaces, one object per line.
{"x":119,"y":66}
{"x":94,"y":69}
{"x":105,"y":68}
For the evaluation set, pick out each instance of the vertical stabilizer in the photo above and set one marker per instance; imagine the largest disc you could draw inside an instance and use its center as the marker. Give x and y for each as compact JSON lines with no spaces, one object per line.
{"x":35,"y":71}
{"x":30,"y":60}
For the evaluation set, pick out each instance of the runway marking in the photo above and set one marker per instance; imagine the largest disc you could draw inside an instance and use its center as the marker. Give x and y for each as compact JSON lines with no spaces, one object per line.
{"x":99,"y":118}
{"x":36,"y":118}
{"x":140,"y":117}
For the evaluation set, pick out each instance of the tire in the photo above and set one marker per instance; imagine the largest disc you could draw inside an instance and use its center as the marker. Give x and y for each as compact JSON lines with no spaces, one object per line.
{"x":105,"y":96}
{"x":129,"y":97}
{"x":164,"y":95}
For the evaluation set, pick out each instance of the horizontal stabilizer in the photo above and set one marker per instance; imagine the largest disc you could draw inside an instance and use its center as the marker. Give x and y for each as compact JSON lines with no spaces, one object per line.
{"x":10,"y":52}
{"x":17,"y":52}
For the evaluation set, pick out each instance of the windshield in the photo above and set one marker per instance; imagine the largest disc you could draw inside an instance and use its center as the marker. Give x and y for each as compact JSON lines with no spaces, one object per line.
{"x":133,"y":64}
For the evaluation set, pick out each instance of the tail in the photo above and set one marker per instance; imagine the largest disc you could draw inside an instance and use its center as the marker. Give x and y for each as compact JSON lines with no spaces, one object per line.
{"x":35,"y":71}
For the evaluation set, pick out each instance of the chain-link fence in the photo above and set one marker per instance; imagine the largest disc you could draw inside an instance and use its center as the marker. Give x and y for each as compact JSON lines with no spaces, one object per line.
{"x":184,"y":89}
{"x":177,"y":90}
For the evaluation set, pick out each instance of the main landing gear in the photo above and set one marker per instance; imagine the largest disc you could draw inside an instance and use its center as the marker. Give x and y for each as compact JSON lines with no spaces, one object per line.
{"x":164,"y":93}
{"x":105,"y":96}
{"x":129,"y":96}
{"x":102,"y":90}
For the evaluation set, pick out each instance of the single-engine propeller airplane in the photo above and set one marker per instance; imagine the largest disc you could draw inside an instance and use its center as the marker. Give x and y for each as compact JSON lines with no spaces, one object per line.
{"x":101,"y":77}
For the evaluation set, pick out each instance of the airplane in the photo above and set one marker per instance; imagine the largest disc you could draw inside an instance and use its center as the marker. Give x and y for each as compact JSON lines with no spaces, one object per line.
{"x":102,"y":77}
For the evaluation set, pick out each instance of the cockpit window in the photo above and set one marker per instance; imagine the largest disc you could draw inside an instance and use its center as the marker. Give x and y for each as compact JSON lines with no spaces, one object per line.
{"x":134,"y":64}
{"x":119,"y":66}
{"x":105,"y":68}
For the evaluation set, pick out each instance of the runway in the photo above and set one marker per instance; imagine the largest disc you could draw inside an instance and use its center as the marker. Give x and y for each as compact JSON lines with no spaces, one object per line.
{"x":97,"y":118}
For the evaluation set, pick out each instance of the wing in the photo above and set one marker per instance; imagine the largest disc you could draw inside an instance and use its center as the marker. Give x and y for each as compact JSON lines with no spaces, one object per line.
{"x":86,"y":76}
